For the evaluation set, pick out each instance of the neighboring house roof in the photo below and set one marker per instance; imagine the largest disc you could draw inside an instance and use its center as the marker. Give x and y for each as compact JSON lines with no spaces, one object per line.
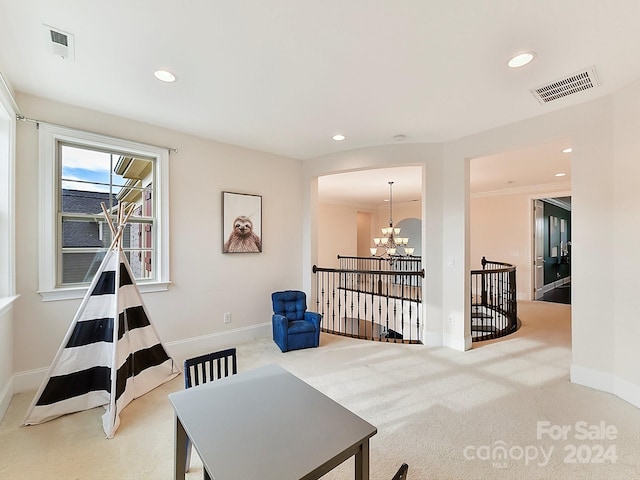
{"x":83,"y":234}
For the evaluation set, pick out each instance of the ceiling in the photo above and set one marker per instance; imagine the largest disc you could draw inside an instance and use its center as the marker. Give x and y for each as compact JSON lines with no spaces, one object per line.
{"x":283,"y":76}
{"x":529,"y":169}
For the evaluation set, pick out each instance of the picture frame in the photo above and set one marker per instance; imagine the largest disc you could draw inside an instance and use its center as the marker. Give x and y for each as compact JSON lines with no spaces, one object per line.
{"x":241,"y":223}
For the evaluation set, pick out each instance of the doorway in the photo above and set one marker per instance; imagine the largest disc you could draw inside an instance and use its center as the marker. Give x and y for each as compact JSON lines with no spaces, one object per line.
{"x":552,"y":249}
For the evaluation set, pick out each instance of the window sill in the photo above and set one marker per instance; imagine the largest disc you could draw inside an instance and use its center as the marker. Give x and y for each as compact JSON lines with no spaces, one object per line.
{"x":80,"y":292}
{"x":6,"y":303}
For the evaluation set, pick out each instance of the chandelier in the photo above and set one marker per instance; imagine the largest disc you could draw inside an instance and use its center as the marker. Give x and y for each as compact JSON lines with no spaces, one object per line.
{"x":391,"y":243}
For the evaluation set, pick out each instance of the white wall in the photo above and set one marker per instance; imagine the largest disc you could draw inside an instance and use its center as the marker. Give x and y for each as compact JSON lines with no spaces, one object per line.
{"x":501,"y":228}
{"x":364,"y":233}
{"x":606,"y":145}
{"x":337,"y":233}
{"x":401,"y":211}
{"x":433,"y":235}
{"x":338,"y":230}
{"x":604,"y":229}
{"x":205,"y":282}
{"x":626,"y":231}
{"x":6,"y":360}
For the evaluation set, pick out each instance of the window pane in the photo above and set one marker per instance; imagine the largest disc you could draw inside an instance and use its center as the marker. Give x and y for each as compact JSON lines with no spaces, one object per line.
{"x":80,"y":267}
{"x":86,"y":177}
{"x":141,"y":262}
{"x":85,"y":201}
{"x":89,"y":178}
{"x":140,"y":241}
{"x":83,"y":233}
{"x":135,"y":176}
{"x":85,"y":244}
{"x":144,"y":202}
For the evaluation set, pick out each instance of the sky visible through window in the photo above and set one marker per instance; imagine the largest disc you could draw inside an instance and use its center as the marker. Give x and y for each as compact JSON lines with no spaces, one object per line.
{"x":89,"y":170}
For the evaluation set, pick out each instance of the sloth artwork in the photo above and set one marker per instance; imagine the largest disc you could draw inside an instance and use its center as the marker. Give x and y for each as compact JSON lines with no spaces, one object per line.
{"x":242,"y":237}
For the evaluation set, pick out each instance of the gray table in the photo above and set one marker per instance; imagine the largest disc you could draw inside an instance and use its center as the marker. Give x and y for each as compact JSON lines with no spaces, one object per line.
{"x":267,"y":424}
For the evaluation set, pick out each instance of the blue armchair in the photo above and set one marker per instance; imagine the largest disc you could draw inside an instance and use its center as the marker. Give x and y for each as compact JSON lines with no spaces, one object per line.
{"x":293,"y":327}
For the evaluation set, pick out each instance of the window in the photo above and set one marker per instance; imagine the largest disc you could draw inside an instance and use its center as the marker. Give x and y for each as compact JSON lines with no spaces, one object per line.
{"x":81,"y":173}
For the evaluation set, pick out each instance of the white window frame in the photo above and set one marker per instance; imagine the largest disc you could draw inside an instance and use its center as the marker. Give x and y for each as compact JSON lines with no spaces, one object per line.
{"x":49,"y":138}
{"x":7,"y":201}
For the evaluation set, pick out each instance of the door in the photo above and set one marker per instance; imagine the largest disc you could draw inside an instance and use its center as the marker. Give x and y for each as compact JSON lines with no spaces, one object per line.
{"x":538,"y":254}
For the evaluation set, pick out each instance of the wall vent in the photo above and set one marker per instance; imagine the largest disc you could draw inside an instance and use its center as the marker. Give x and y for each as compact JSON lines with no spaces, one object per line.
{"x":569,"y":85}
{"x":59,"y":38}
{"x":59,"y":42}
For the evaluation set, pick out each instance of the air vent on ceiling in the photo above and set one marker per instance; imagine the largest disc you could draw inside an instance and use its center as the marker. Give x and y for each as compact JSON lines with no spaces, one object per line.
{"x":59,"y":42}
{"x":59,"y":38}
{"x":574,"y":83}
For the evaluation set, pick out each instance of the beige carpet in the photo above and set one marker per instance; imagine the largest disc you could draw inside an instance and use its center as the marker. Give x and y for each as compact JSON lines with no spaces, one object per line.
{"x":448,"y":414}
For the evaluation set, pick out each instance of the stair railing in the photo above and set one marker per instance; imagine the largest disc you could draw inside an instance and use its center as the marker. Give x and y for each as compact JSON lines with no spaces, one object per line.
{"x":494,"y":307}
{"x":382,"y":304}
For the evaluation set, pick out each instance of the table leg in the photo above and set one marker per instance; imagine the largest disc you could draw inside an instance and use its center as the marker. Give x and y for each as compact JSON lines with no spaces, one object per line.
{"x":180,"y":454}
{"x":362,"y":461}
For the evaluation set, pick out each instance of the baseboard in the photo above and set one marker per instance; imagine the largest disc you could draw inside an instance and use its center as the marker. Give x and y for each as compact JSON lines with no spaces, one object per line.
{"x":181,"y":349}
{"x":5,"y":398}
{"x":606,"y":382}
{"x":29,"y":380}
{"x":178,"y":350}
{"x":432,"y":339}
{"x":457,"y":343}
{"x":627,"y":391}
{"x":558,"y":283}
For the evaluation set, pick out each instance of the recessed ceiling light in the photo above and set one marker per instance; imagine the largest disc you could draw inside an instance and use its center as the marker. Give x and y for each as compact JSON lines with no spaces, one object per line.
{"x":165,"y":76}
{"x":339,"y":137}
{"x":399,"y":138}
{"x":567,"y":150}
{"x":560,"y":174}
{"x":521,"y":59}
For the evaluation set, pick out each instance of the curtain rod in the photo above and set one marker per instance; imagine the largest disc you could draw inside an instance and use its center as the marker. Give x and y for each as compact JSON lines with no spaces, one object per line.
{"x":22,"y":118}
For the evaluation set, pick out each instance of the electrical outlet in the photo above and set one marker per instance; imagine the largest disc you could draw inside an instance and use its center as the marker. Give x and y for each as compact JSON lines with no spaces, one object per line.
{"x":227,"y":317}
{"x":452,"y":322}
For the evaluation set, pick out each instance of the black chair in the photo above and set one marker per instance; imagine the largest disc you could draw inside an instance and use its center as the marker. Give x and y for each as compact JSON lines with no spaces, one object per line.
{"x":401,"y":474}
{"x":207,"y":368}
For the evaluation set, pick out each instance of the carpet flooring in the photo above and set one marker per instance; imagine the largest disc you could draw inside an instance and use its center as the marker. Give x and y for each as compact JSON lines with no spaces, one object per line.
{"x":503,"y":410}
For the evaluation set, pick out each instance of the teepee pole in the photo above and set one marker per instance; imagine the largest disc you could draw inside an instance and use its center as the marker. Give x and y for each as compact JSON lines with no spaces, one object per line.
{"x":118,"y":230}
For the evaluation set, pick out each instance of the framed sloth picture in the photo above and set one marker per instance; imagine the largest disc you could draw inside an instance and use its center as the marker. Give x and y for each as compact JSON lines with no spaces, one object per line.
{"x":241,"y":223}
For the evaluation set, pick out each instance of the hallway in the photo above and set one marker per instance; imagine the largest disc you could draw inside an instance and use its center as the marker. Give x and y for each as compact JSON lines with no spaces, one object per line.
{"x":561,"y":294}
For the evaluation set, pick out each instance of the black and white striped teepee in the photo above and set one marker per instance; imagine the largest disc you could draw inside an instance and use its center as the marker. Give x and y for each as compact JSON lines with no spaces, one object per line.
{"x":111,"y":353}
